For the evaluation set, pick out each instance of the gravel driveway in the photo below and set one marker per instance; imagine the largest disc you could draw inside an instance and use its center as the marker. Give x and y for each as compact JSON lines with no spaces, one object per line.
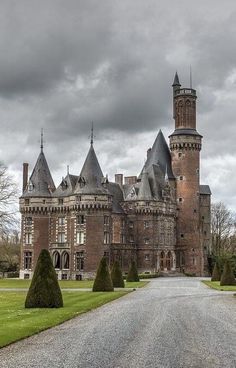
{"x":171,"y":323}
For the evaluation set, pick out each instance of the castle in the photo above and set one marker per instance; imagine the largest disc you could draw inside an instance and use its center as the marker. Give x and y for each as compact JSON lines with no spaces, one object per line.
{"x":161,"y":218}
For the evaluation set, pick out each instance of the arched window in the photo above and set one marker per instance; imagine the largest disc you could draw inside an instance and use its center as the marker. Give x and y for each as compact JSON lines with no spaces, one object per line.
{"x":65,"y":260}
{"x":169,"y":261}
{"x":188,"y":113}
{"x":56,"y":260}
{"x":162,"y":260}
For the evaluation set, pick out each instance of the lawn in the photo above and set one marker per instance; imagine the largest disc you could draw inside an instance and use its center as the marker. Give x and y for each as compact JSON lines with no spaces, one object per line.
{"x":17,"y":322}
{"x":24,"y":284}
{"x":216,"y":285}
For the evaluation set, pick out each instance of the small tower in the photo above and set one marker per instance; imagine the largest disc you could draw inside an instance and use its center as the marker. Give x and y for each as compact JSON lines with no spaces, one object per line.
{"x":35,"y":204}
{"x":185,"y":146}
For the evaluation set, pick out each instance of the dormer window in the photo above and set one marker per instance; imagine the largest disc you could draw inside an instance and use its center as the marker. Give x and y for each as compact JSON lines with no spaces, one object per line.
{"x":30,"y":186}
{"x":81,"y":181}
{"x":64,"y":184}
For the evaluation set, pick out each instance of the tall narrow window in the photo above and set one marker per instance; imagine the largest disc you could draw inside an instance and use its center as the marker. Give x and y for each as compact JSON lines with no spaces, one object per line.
{"x":80,"y":219}
{"x":106,"y":220}
{"x":79,"y":261}
{"x":65,"y":260}
{"x":28,"y":238}
{"x":27,"y":260}
{"x":61,"y":237}
{"x":80,"y":237}
{"x":56,"y":259}
{"x":106,"y":237}
{"x":28,"y":221}
{"x":61,"y":221}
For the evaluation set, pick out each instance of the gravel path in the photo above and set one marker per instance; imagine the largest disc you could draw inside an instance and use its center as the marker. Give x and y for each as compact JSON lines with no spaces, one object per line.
{"x":171,"y":323}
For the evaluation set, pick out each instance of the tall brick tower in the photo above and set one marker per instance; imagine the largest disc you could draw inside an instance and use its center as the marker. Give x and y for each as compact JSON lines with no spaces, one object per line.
{"x":185,"y":146}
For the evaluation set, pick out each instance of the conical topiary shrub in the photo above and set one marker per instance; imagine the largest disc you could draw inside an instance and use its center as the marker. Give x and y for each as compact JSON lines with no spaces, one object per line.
{"x":216,"y":274}
{"x":116,"y":275}
{"x":227,"y":277}
{"x":133,"y":273}
{"x":44,"y":291}
{"x":103,"y":280}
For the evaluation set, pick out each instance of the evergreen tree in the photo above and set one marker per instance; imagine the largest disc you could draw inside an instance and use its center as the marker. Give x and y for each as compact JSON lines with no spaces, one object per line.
{"x":133,"y":273}
{"x":216,"y":274}
{"x":116,"y":275}
{"x":103,"y":280}
{"x":227,"y":277}
{"x":44,"y":291}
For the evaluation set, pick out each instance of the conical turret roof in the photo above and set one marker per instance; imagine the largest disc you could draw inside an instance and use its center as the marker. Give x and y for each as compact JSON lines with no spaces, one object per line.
{"x":144,"y":189}
{"x":160,"y":155}
{"x":176,"y":80}
{"x":40,"y":183}
{"x":91,"y":176}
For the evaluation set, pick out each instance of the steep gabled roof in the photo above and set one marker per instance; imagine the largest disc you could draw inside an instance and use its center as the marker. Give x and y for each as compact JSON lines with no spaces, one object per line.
{"x":144,"y":189}
{"x":40,"y":183}
{"x":66,"y":186}
{"x":160,"y":155}
{"x":91,"y":176}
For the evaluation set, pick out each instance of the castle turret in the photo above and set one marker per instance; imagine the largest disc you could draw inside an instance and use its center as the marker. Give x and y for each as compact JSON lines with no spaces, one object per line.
{"x":35,"y":205}
{"x":185,"y":146}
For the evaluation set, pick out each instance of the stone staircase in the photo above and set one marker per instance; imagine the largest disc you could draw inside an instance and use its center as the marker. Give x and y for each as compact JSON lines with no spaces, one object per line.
{"x":171,"y":274}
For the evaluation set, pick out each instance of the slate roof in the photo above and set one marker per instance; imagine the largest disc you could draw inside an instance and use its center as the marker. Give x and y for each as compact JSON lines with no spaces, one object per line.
{"x":205,"y":189}
{"x":144,"y":193}
{"x":66,"y":186}
{"x":176,"y":80}
{"x":40,"y":183}
{"x":91,"y":176}
{"x":160,"y":155}
{"x":117,"y":194}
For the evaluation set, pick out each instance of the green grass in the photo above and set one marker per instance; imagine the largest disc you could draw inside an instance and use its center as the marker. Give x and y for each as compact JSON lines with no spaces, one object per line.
{"x":216,"y":285}
{"x":17,"y":322}
{"x":24,"y":284}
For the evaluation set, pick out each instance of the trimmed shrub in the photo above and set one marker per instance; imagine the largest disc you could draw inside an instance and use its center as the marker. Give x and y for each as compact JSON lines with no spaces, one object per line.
{"x":44,"y":291}
{"x":133,"y":273}
{"x":216,"y":274}
{"x":116,"y":275}
{"x":227,"y":277}
{"x":103,"y":280}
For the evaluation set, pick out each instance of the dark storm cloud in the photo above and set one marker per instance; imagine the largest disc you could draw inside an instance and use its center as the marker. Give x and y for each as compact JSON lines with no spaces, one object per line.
{"x":64,"y":64}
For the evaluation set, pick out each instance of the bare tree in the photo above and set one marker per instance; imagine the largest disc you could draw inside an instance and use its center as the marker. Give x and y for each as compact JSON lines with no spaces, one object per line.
{"x":8,"y":198}
{"x":222,"y":228}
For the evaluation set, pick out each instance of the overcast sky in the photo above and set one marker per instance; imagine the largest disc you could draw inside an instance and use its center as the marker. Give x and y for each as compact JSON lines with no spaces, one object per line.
{"x":66,"y":63}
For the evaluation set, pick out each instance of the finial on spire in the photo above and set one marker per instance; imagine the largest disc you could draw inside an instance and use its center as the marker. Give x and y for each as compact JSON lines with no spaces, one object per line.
{"x":92,"y":136}
{"x":191,"y":84}
{"x":68,"y":169}
{"x":41,"y":141}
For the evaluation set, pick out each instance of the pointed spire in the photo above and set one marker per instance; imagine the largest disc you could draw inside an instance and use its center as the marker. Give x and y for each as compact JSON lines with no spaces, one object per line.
{"x":176,"y":80}
{"x":40,"y":183}
{"x":92,"y":135}
{"x":144,"y":193}
{"x":41,"y":140}
{"x":91,"y":175}
{"x":160,"y":155}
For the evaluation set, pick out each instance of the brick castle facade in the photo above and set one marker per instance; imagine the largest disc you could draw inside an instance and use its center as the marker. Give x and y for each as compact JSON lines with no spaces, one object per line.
{"x":160,"y":218}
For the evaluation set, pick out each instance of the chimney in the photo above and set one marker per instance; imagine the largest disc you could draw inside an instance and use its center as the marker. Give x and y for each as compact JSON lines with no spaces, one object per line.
{"x":25,"y":175}
{"x":130,"y":180}
{"x":148,"y":152}
{"x":119,"y":179}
